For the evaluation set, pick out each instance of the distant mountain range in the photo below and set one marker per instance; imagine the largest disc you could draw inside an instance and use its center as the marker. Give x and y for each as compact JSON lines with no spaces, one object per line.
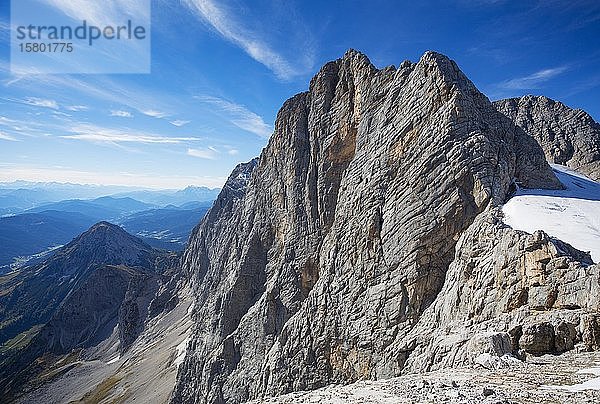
{"x":26,"y":237}
{"x":20,"y":196}
{"x":178,"y":198}
{"x":167,"y":228}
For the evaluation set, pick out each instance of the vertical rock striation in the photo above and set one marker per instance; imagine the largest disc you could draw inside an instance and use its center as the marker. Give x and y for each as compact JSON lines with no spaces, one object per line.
{"x":318,"y":259}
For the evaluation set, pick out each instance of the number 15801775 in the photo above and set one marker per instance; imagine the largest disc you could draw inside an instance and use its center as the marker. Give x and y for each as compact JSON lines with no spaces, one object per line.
{"x":43,"y":47}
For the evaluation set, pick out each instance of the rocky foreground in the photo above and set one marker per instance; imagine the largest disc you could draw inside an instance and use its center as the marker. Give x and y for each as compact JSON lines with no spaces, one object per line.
{"x":568,"y":378}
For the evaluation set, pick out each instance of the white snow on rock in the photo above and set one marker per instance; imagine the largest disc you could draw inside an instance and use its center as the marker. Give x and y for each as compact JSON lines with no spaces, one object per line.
{"x":113,"y":360}
{"x":571,"y":215}
{"x":592,"y":384}
{"x":181,"y":349}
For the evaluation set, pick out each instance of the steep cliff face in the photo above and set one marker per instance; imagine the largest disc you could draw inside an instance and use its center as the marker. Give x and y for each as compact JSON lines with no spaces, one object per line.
{"x":569,"y":137}
{"x":315,"y":267}
{"x":507,"y":293}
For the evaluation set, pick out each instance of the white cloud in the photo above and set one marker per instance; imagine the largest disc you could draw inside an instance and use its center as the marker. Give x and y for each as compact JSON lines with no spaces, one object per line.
{"x":76,"y":108}
{"x":122,"y":114}
{"x":60,"y":114}
{"x":6,"y":121}
{"x":104,"y":88}
{"x":225,"y":23}
{"x":233,"y":152}
{"x":533,"y":80}
{"x":179,"y":123}
{"x":209,"y":153}
{"x":101,"y":12}
{"x":240,"y":116}
{"x":154,"y":113}
{"x":40,"y":102}
{"x":4,"y":136}
{"x":96,"y":134}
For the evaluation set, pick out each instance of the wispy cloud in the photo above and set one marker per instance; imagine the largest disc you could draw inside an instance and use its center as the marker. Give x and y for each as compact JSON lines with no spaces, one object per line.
{"x":77,"y":108}
{"x":40,"y":102}
{"x":122,"y":114}
{"x":179,"y":123}
{"x":154,"y":113}
{"x":226,"y":24}
{"x":4,"y":136}
{"x":209,"y":153}
{"x":133,"y":97}
{"x":60,"y":114}
{"x":97,"y":134}
{"x":103,"y":12}
{"x":4,"y":30}
{"x":532,"y":81}
{"x":6,"y":121}
{"x":239,"y":115}
{"x":233,"y":152}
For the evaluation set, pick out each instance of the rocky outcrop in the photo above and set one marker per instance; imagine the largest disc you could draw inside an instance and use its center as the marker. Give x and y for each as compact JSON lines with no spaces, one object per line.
{"x":530,"y":290}
{"x":319,"y":269}
{"x":568,"y":136}
{"x":565,"y":379}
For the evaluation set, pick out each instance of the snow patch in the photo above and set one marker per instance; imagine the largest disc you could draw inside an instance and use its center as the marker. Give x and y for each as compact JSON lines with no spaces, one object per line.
{"x":113,"y":360}
{"x":181,"y":348}
{"x":494,"y":362}
{"x":571,"y":215}
{"x":592,"y":384}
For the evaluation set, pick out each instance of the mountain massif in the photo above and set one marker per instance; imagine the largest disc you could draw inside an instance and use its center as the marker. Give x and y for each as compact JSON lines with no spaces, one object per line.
{"x":366,"y":242}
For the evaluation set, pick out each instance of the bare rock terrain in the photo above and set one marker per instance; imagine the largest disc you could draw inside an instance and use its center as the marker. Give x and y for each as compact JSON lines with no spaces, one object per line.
{"x":367,"y":243}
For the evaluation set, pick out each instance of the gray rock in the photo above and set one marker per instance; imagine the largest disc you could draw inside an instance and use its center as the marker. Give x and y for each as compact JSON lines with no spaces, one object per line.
{"x":569,"y":137}
{"x":488,"y":392}
{"x":591,"y":331}
{"x":565,"y":336}
{"x":319,"y":268}
{"x":538,"y":339}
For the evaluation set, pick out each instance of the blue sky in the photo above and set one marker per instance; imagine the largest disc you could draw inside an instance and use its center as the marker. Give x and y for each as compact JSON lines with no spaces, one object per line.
{"x":221,"y":70}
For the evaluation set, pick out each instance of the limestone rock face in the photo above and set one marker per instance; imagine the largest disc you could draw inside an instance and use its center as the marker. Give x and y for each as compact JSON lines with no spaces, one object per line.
{"x":540,"y":291}
{"x":319,"y":259}
{"x":569,"y":137}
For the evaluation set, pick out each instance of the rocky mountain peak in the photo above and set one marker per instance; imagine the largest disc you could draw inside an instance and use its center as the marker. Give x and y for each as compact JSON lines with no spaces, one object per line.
{"x":104,"y":243}
{"x":568,"y":136}
{"x":343,"y":235}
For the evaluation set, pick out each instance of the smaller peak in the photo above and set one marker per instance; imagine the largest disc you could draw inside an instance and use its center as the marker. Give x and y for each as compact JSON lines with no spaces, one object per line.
{"x":535,"y":99}
{"x":104,"y":228}
{"x":103,"y":225}
{"x":444,"y":65}
{"x":350,"y":53}
{"x":435,"y":56}
{"x":354,"y":55}
{"x":405,"y":64}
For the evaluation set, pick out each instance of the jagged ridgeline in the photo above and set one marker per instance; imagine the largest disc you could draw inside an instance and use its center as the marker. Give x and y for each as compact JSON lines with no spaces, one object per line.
{"x":366,"y":241}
